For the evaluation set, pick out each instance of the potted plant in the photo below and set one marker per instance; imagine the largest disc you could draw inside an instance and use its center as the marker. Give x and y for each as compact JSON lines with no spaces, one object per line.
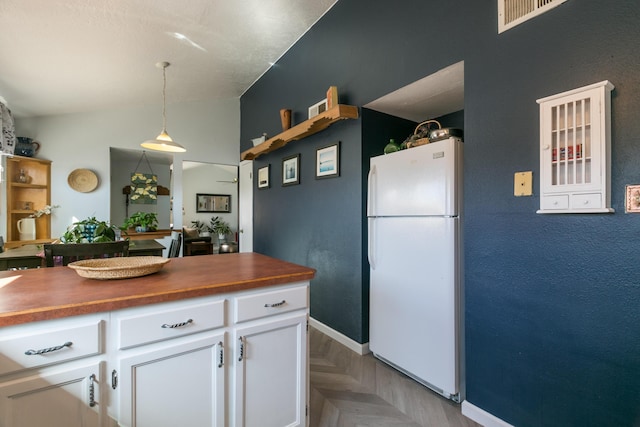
{"x":203,"y":229}
{"x":220,"y":227}
{"x":141,"y":222}
{"x":90,"y":230}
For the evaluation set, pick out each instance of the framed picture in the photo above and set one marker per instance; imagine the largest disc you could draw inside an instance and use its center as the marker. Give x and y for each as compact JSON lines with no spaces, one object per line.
{"x":213,"y":202}
{"x":263,"y":177}
{"x":291,"y":170}
{"x":328,"y":161}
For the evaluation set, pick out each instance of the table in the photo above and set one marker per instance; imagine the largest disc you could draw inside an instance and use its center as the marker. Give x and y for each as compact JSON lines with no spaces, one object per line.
{"x":27,"y":256}
{"x":145,"y":247}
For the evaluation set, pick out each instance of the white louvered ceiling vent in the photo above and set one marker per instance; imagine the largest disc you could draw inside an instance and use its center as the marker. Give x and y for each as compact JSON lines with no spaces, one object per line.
{"x":515,"y":12}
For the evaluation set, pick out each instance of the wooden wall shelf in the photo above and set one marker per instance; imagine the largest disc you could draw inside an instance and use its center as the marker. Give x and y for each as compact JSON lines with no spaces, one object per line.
{"x":302,"y":130}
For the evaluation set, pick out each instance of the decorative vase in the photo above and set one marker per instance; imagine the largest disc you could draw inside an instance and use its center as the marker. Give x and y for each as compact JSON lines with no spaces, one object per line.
{"x":391,"y":147}
{"x":23,"y":177}
{"x":26,"y":147}
{"x":285,"y":118}
{"x":27,"y":228}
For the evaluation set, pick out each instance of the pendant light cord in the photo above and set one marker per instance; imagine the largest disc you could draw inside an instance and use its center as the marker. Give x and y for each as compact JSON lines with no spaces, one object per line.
{"x":164,"y":96}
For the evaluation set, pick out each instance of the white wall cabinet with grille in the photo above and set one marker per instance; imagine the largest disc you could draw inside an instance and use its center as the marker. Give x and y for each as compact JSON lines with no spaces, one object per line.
{"x":575,"y":150}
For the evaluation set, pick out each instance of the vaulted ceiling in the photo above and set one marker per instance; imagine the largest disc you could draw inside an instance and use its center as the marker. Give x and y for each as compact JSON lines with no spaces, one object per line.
{"x":66,"y":56}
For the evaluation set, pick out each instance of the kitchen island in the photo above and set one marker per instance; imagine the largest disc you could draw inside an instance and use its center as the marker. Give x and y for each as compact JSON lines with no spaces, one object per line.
{"x":210,"y":340}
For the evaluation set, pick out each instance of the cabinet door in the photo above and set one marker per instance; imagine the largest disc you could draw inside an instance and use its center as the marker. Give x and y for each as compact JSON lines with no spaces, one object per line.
{"x":571,"y":129}
{"x":62,"y":398}
{"x":176,"y":384}
{"x":270,"y":373}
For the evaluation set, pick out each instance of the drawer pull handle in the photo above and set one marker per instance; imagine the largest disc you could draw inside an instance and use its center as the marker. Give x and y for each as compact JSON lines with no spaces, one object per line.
{"x":221,"y":363}
{"x":241,"y":351}
{"x":48,"y":350}
{"x":92,"y":396}
{"x":277,"y":304}
{"x":177,"y":325}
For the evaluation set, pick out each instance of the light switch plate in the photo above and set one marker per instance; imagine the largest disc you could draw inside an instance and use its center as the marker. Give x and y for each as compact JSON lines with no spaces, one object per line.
{"x":523,"y":184}
{"x":632,"y":199}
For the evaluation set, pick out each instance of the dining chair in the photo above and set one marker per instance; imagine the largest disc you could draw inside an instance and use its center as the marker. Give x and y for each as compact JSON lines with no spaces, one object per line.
{"x":63,"y":254}
{"x":174,"y":248}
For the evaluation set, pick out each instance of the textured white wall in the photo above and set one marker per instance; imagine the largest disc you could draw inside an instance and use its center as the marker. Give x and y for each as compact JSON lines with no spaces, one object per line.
{"x":209,"y":130}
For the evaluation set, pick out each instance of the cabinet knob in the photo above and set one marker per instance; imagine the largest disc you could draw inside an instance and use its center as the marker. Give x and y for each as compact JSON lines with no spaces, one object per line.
{"x":546,"y":147}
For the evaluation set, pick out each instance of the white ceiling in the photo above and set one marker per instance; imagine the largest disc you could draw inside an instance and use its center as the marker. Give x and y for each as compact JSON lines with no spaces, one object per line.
{"x":433,"y":96}
{"x":66,"y":56}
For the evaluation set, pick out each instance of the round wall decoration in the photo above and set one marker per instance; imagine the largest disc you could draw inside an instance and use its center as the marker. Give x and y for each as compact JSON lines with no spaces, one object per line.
{"x":83,"y":180}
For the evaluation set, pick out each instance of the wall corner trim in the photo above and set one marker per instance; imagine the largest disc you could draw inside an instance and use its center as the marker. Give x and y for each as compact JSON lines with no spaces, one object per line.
{"x":481,"y":416}
{"x":352,"y":345}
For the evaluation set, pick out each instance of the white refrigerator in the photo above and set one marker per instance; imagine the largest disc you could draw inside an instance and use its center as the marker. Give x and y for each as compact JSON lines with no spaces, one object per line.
{"x":413,"y":208}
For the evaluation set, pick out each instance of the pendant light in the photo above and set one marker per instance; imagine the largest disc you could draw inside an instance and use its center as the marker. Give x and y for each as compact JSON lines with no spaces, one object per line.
{"x":163,"y":142}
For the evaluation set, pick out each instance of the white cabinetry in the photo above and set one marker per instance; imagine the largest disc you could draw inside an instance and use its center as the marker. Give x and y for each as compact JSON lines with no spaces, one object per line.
{"x":51,"y":373}
{"x":58,"y":399}
{"x":575,"y":150}
{"x":181,"y":383}
{"x":171,"y":364}
{"x":235,"y":359}
{"x":271,"y":358}
{"x":270,"y":373}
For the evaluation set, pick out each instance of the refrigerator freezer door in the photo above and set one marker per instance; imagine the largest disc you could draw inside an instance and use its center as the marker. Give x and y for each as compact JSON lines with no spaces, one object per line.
{"x":414,"y":297}
{"x":418,"y":181}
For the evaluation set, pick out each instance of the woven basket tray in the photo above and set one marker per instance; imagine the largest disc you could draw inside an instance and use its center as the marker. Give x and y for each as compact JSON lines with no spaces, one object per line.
{"x":118,"y":267}
{"x":419,"y":128}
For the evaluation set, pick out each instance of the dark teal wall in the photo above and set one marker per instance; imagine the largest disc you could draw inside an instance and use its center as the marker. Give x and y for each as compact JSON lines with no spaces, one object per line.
{"x":552,"y":302}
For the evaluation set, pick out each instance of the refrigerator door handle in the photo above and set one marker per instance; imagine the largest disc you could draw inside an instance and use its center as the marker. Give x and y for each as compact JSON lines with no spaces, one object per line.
{"x":370,"y":190}
{"x":371,"y":243}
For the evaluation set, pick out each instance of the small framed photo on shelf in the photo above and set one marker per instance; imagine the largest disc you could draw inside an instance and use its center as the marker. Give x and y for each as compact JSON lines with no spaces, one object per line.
{"x":291,"y":170}
{"x":213,"y":203}
{"x":328,"y":161}
{"x":263,"y":177}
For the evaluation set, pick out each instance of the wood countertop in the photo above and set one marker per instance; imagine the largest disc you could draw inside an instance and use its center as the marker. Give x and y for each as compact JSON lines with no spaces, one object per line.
{"x":51,"y":293}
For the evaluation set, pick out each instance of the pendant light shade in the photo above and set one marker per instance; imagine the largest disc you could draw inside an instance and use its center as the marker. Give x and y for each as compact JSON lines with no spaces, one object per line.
{"x":163,"y":142}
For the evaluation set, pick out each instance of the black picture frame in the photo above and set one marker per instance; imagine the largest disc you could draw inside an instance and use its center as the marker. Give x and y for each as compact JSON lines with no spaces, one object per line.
{"x":213,"y":203}
{"x":263,"y":177}
{"x":291,"y":170}
{"x":328,"y":161}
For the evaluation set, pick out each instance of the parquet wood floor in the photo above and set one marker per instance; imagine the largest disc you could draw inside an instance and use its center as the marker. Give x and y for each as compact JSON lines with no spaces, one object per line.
{"x":349,"y":390}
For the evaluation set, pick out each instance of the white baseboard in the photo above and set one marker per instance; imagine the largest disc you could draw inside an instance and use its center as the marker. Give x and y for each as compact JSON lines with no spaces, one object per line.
{"x":481,"y":416}
{"x":361,"y":349}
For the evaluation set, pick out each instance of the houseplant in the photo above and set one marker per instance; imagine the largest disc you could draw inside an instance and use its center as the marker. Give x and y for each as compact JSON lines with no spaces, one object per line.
{"x":219,"y":227}
{"x":90,"y":230}
{"x":141,"y":222}
{"x":202,"y":227}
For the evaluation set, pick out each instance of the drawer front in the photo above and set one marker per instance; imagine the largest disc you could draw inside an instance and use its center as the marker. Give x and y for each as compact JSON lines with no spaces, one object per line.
{"x":586,"y":201}
{"x":555,"y":202}
{"x":264,"y":304}
{"x":155,"y":323}
{"x":60,"y":343}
